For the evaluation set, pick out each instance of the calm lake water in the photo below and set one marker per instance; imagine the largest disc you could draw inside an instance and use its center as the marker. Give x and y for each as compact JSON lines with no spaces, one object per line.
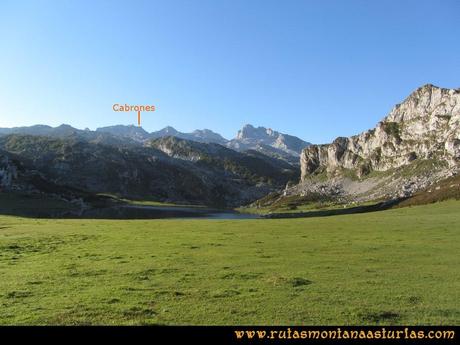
{"x":161,"y":212}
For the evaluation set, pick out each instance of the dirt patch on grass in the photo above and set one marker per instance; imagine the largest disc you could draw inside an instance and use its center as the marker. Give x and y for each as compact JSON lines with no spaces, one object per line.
{"x":296,"y":282}
{"x":139,"y":312}
{"x":378,"y":317}
{"x":18,"y":294}
{"x":243,"y":276}
{"x":225,"y":293}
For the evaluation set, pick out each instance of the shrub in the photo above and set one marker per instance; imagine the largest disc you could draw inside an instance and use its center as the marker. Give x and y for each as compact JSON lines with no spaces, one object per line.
{"x":392,"y":128}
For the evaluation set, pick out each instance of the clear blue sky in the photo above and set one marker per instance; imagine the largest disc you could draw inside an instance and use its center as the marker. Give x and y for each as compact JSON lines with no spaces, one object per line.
{"x":315,"y":69}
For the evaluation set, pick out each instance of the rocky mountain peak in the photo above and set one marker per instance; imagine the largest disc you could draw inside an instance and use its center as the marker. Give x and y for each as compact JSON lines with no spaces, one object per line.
{"x":250,"y":137}
{"x":428,"y":102}
{"x":250,"y":132}
{"x":169,"y":130}
{"x":420,"y":135}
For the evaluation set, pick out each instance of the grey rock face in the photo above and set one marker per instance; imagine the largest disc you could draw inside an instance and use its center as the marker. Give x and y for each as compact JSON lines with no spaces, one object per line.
{"x":250,"y":137}
{"x":423,"y":131}
{"x":132,"y":132}
{"x":8,"y":173}
{"x":207,"y":136}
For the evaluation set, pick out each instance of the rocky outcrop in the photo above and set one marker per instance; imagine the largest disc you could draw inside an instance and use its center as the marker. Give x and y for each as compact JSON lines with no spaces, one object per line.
{"x":426,"y":125}
{"x":422,"y":132}
{"x":8,"y":173}
{"x":250,"y":137}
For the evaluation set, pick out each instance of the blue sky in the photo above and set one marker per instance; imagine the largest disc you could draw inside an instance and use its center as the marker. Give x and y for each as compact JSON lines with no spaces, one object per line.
{"x":315,"y":69}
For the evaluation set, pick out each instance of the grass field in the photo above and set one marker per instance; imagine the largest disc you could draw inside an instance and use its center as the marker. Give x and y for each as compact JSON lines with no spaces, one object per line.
{"x":400,"y":266}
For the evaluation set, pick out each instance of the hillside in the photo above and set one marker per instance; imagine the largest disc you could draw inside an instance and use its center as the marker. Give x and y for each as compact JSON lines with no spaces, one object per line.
{"x":220,"y":177}
{"x":415,"y":146}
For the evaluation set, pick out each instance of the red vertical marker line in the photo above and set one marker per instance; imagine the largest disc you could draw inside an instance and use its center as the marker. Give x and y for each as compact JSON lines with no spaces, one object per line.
{"x":139,"y":118}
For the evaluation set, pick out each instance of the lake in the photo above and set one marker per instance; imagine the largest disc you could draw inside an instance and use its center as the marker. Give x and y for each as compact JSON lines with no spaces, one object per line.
{"x":159,"y":212}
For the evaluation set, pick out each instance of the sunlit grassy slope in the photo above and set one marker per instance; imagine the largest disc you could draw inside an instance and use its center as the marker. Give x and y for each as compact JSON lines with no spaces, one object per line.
{"x":393,"y":267}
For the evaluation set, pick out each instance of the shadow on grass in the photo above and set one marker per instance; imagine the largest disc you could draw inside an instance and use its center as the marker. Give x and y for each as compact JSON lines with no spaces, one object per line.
{"x":379,"y":317}
{"x":336,"y":212}
{"x":126,"y":211}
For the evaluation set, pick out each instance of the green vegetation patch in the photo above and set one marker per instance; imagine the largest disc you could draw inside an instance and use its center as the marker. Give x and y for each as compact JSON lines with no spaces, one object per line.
{"x":392,"y":128}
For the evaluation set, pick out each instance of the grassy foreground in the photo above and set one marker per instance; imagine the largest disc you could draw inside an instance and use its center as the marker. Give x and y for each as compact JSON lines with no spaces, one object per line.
{"x":394,"y":267}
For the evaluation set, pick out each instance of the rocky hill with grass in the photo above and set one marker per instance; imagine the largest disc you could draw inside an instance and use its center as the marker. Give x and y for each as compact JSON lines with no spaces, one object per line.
{"x":415,"y":146}
{"x":167,"y":169}
{"x":247,"y":166}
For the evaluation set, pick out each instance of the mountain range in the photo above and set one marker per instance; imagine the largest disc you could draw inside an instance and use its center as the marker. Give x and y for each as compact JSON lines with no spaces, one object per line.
{"x":414,"y":147}
{"x":129,"y":162}
{"x":262,"y":139}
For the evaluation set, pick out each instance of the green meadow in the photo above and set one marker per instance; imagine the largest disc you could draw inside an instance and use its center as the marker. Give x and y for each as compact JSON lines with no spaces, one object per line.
{"x":400,"y":266}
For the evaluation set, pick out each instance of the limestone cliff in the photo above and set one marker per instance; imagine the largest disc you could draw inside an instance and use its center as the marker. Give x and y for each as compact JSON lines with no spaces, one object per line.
{"x":417,"y":144}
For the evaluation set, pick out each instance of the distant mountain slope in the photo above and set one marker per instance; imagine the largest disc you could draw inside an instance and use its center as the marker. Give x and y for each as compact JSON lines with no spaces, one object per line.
{"x":60,"y":131}
{"x":250,"y":165}
{"x":135,"y":172}
{"x":69,"y":132}
{"x":199,"y":135}
{"x":140,"y":135}
{"x":135,"y":133}
{"x":18,"y":176}
{"x":219,"y":177}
